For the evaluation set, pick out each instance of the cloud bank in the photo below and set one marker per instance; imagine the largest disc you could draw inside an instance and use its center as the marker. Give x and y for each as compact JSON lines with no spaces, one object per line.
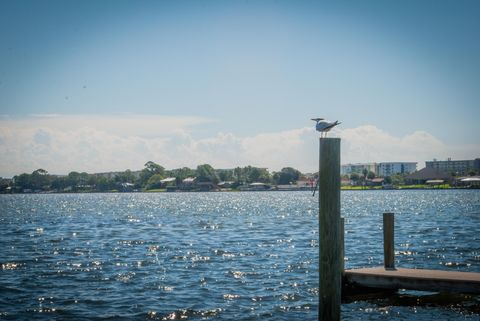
{"x":61,"y":144}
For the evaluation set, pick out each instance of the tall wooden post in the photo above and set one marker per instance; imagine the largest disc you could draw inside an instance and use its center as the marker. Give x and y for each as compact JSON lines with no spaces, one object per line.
{"x":388,"y":241}
{"x":329,"y":230}
{"x":342,"y":244}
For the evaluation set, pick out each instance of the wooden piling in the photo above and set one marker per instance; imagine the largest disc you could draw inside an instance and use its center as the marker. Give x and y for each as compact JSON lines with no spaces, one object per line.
{"x":330,"y":271}
{"x":342,"y":244}
{"x":388,"y":241}
{"x":390,"y":278}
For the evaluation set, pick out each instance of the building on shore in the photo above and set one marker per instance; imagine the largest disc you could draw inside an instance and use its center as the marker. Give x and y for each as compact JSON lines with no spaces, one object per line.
{"x":358,"y":168}
{"x":459,"y":167}
{"x":382,"y":169}
{"x":426,"y":175}
{"x":391,"y":168}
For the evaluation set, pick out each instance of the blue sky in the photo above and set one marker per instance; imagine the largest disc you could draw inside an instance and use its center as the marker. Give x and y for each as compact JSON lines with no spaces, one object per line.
{"x":228,"y":79}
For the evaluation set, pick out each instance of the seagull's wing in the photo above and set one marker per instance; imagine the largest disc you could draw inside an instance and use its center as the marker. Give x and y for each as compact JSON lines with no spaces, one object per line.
{"x":331,"y":125}
{"x":321,"y":125}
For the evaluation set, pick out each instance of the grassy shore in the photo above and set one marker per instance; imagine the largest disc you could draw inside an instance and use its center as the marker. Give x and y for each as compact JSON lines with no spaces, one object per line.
{"x":416,"y":186}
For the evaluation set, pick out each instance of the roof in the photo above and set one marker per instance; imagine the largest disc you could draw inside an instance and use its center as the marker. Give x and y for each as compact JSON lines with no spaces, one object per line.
{"x":470,"y":179}
{"x":428,"y":173}
{"x":257,"y":184}
{"x":189,"y":179}
{"x":225,"y":183}
{"x":168,"y":179}
{"x":435,"y":181}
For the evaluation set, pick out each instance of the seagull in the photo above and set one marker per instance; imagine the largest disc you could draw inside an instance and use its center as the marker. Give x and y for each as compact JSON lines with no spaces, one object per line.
{"x":323,"y":126}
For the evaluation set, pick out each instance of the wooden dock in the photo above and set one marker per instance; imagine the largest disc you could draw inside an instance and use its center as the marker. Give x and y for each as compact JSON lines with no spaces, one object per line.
{"x":414,"y":279}
{"x":335,"y":281}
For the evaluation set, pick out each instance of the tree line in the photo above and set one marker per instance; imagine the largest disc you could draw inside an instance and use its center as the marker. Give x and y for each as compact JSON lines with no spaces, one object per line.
{"x":150,"y":177}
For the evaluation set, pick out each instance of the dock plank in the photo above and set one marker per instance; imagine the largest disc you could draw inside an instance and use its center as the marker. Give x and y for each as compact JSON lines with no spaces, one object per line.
{"x":415,"y":279}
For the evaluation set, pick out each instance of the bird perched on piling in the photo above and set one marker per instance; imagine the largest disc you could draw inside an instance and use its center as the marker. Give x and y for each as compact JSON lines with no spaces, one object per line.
{"x":323,"y":126}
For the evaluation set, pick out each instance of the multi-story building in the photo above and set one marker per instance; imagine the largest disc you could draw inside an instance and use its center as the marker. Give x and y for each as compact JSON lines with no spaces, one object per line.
{"x":454,"y":166}
{"x":391,"y":168}
{"x":380,"y":169}
{"x":358,"y":168}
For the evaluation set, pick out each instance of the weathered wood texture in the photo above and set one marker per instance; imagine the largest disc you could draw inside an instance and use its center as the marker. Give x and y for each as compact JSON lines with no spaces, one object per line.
{"x":342,"y":243}
{"x":330,"y":272}
{"x":388,"y":241}
{"x":415,"y":279}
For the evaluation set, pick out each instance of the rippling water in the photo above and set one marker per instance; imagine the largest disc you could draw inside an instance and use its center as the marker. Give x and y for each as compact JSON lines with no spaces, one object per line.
{"x":219,"y":256}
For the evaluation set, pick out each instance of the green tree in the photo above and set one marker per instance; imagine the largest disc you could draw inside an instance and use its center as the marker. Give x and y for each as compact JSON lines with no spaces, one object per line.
{"x":125,"y":177}
{"x":150,"y":169}
{"x":286,"y":175}
{"x":398,"y":179}
{"x":77,"y":180}
{"x":92,"y":180}
{"x":104,"y":184}
{"x":255,"y":174}
{"x":225,"y":174}
{"x":365,"y":173}
{"x":40,"y":179}
{"x":388,"y":180}
{"x":238,"y":175}
{"x":371,"y":175}
{"x":206,"y":173}
{"x":355,"y":178}
{"x":83,"y":178}
{"x":181,"y":173}
{"x":155,"y":181}
{"x":22,"y":182}
{"x":59,"y":183}
{"x":4,"y":184}
{"x":73,"y":179}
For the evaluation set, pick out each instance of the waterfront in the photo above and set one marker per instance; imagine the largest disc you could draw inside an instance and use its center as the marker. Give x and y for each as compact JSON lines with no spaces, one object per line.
{"x":224,"y":256}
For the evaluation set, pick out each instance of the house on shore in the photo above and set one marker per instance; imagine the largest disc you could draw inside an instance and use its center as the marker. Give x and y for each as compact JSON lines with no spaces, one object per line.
{"x":205,"y":186}
{"x":470,"y":182}
{"x":430,"y":176}
{"x":226,"y":185}
{"x":378,"y":181}
{"x":255,"y":186}
{"x":169,"y":183}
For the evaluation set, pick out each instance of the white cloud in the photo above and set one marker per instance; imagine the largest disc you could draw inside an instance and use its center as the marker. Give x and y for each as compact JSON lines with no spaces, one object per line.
{"x":371,"y":144}
{"x":61,"y":144}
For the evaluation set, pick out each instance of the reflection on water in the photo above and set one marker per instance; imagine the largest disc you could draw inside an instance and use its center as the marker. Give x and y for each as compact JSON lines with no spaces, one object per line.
{"x":224,"y":256}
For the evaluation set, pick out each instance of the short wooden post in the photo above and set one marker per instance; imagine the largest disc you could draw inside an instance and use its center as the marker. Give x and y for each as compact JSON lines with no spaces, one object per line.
{"x":329,"y":230}
{"x":388,"y":241}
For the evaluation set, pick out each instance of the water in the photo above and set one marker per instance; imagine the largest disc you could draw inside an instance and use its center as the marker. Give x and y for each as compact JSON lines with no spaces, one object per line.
{"x":220,"y":256}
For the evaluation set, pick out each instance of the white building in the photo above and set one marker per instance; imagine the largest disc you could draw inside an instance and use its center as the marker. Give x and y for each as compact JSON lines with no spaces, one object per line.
{"x":391,"y":168}
{"x":358,"y":168}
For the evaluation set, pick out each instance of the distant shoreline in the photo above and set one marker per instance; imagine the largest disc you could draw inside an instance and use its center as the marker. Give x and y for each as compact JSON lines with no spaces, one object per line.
{"x":237,"y":191}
